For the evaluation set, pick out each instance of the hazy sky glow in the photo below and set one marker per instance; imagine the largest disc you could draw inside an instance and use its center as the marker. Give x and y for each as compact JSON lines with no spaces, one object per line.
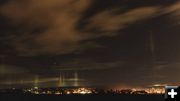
{"x":106,"y":42}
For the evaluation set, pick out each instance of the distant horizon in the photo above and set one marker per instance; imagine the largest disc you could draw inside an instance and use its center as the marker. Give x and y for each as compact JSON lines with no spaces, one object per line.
{"x":91,"y":86}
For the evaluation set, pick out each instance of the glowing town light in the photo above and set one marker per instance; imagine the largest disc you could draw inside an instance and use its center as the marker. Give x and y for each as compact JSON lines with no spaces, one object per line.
{"x":82,"y":91}
{"x":68,"y":92}
{"x":58,"y":93}
{"x":36,"y":88}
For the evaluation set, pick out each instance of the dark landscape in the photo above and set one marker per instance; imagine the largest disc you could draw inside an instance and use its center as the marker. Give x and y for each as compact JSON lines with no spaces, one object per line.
{"x":19,"y":97}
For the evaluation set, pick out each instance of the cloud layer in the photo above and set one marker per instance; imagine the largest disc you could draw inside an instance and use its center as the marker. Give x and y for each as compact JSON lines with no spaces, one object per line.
{"x":55,"y":18}
{"x":49,"y":26}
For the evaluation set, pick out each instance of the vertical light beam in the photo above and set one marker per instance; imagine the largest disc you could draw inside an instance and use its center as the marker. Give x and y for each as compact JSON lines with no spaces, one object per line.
{"x":76,"y":79}
{"x":60,"y":81}
{"x":36,"y":81}
{"x":152,"y":46}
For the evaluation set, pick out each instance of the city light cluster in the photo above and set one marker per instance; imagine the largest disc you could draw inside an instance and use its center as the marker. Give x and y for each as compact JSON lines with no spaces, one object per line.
{"x":60,"y":91}
{"x":85,"y":91}
{"x":155,"y":91}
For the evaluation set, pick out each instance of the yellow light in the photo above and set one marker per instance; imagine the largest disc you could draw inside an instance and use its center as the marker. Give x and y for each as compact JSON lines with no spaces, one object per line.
{"x":36,"y":92}
{"x":68,"y":92}
{"x":57,"y":93}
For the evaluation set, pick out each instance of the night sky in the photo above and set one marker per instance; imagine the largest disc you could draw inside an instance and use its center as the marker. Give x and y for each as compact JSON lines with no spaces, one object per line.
{"x":114,"y":43}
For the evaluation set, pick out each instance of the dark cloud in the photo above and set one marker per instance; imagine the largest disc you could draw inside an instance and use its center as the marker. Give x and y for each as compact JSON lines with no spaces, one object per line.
{"x":55,"y":21}
{"x":49,"y":27}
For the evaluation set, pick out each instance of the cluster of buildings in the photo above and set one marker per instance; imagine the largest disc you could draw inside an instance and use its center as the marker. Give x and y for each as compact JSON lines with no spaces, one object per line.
{"x":81,"y":90}
{"x":59,"y":91}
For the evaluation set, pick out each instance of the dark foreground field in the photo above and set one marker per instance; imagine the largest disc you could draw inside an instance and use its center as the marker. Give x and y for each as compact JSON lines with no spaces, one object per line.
{"x":10,"y":97}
